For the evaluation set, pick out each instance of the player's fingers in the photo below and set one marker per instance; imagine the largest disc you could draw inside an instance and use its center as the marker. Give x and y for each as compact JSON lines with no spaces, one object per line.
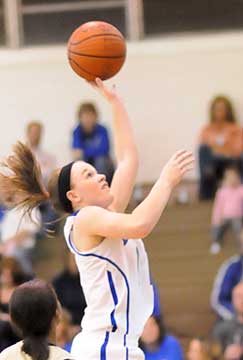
{"x":99,"y":83}
{"x":187,"y":169}
{"x":184,"y":156}
{"x":178,"y":154}
{"x":188,"y":162}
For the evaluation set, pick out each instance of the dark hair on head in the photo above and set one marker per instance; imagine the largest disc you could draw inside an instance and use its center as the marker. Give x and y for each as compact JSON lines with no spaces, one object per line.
{"x":17,"y":273}
{"x":232,"y":167}
{"x":230,"y":115}
{"x":21,"y":181}
{"x":162,"y":331}
{"x":87,"y":107}
{"x":33,"y":307}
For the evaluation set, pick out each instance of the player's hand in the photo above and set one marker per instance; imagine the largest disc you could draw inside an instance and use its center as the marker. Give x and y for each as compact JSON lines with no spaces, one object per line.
{"x":180,"y":163}
{"x":105,"y":91}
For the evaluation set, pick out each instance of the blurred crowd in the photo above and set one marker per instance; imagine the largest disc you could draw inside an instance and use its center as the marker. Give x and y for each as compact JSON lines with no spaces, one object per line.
{"x":220,"y":159}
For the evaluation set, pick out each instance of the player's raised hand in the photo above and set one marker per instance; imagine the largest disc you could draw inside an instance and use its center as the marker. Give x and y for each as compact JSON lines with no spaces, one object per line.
{"x":179,"y":164}
{"x":109,"y":93}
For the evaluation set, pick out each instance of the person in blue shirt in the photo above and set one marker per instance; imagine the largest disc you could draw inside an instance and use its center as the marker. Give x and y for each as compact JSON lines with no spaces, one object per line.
{"x":157,"y":344}
{"x":90,"y":141}
{"x":229,"y":275}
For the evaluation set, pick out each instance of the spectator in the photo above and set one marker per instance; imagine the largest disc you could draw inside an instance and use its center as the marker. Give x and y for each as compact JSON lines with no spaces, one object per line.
{"x":47,"y":163}
{"x":229,"y":275}
{"x":156,"y":344}
{"x":90,"y":141}
{"x":233,"y":352}
{"x":69,"y":290}
{"x":221,"y":144}
{"x":18,"y":235}
{"x":11,"y":275}
{"x":35,"y":313}
{"x":64,"y":331}
{"x":204,"y":350}
{"x":228,"y":209}
{"x":231,"y":331}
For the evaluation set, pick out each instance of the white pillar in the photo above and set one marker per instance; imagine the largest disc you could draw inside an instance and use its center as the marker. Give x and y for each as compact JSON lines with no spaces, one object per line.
{"x":13,"y":23}
{"x":135,"y":19}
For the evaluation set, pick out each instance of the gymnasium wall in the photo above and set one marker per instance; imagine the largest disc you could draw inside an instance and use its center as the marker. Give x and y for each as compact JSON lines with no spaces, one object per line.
{"x":166,"y":83}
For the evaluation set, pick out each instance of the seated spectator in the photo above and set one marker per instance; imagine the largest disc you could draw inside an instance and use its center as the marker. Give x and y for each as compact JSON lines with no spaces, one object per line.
{"x":69,"y":290}
{"x":156,"y":344}
{"x":64,"y":331}
{"x":233,"y":352}
{"x":204,"y":350}
{"x":35,"y":313}
{"x":18,"y":235}
{"x":231,"y":331}
{"x":221,"y":144}
{"x":229,"y":275}
{"x":11,"y":275}
{"x":228,"y":209}
{"x":90,"y":141}
{"x":34,"y":133}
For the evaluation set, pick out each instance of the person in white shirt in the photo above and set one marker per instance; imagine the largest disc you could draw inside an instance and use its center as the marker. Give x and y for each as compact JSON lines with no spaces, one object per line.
{"x":18,"y":235}
{"x":35,"y":312}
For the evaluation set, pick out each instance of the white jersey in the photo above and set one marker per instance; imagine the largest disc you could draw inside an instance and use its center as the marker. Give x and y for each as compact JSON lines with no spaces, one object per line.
{"x":116,"y":282}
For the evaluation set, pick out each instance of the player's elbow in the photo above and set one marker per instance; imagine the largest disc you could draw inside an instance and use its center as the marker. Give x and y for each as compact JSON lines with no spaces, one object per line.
{"x":143,"y":229}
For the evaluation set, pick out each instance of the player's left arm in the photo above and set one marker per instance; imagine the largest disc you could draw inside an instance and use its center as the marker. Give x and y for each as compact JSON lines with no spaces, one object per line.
{"x":125,"y":150}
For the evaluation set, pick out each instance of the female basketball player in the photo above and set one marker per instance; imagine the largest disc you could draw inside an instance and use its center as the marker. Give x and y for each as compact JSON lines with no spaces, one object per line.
{"x":113,"y":265}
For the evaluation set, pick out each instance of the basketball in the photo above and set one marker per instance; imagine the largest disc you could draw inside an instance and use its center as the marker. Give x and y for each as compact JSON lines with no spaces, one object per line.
{"x":96,"y":49}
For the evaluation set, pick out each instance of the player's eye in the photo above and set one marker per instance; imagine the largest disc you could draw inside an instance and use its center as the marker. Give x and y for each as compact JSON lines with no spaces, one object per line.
{"x":89,"y":174}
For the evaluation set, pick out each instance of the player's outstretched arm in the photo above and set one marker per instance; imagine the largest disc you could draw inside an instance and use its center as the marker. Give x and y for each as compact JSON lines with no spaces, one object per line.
{"x":94,"y":220}
{"x":125,"y":149}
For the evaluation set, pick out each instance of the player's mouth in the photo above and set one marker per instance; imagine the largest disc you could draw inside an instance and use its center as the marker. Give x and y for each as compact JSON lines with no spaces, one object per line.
{"x":105,"y":185}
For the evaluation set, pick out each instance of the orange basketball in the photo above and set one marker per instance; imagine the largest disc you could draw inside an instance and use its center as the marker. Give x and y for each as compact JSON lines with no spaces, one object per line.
{"x":96,"y":49}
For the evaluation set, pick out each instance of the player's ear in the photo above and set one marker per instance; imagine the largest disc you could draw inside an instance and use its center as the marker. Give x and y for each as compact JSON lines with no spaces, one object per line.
{"x":73,"y":196}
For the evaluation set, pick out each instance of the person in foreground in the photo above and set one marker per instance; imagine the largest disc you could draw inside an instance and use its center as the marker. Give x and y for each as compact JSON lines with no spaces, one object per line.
{"x":110,"y":257}
{"x":35,"y":312}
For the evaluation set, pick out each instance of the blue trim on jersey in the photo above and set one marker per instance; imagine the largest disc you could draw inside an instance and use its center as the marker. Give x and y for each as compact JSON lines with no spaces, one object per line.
{"x":125,"y":242}
{"x":124,"y":277}
{"x":115,"y":299}
{"x":103,"y":347}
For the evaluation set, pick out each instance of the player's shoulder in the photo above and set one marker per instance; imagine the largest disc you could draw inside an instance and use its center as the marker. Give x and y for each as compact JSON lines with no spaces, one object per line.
{"x":87,"y":213}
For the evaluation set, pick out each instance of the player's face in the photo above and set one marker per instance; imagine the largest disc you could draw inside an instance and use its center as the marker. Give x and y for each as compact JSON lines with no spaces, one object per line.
{"x":89,"y":187}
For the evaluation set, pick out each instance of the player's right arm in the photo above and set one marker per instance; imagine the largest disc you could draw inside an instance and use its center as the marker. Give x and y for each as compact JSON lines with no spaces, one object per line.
{"x":96,"y":221}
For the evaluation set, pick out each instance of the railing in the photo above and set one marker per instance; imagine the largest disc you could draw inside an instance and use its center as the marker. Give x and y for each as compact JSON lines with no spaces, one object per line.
{"x":15,"y":10}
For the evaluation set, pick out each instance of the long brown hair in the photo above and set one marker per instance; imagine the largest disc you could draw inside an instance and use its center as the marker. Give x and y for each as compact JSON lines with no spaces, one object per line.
{"x":230,"y":115}
{"x":21,"y":181}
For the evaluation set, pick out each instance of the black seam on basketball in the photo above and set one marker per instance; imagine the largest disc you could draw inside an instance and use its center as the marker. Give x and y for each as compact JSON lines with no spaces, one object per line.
{"x":97,"y":35}
{"x":97,"y":56}
{"x":81,"y":68}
